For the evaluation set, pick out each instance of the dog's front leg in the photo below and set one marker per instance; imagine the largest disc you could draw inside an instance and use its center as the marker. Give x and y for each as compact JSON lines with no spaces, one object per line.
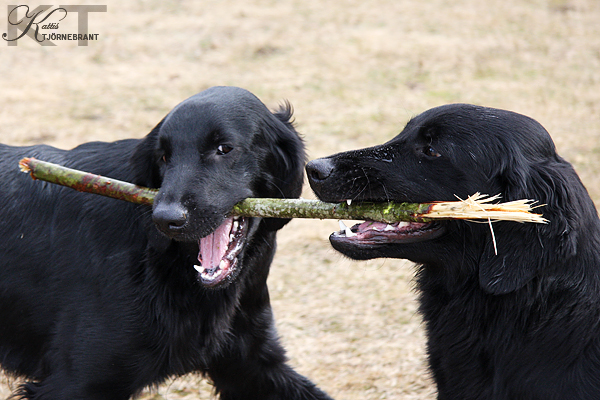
{"x":255,"y":366}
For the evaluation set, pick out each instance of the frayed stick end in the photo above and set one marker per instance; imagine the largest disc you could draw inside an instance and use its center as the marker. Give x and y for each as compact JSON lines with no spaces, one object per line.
{"x":478,"y":206}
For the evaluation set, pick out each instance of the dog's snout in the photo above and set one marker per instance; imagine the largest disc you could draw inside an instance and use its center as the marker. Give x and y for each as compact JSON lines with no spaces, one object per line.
{"x":170,"y":218}
{"x":318,"y":170}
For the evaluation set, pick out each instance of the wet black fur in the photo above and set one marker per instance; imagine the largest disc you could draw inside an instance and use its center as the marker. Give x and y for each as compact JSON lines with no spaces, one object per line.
{"x":95,"y":303}
{"x":520,"y":325}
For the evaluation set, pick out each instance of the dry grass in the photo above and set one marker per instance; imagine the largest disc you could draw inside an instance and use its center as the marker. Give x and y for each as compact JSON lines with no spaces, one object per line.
{"x":355,"y":71}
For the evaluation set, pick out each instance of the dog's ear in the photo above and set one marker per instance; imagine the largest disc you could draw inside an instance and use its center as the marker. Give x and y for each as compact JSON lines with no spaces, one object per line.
{"x":525,"y":249}
{"x":283,"y":162}
{"x":146,"y":173}
{"x":143,"y":160}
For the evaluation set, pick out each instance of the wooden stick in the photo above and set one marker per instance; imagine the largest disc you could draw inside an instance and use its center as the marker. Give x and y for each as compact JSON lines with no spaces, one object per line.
{"x":86,"y":182}
{"x":475,"y":207}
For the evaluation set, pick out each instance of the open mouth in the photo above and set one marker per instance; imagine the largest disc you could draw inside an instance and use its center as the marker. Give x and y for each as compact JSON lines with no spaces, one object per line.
{"x":370,"y":233}
{"x":219,"y":252}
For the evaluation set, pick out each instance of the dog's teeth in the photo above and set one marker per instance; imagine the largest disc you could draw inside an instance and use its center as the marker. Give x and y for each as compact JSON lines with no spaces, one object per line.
{"x":218,"y":271}
{"x":347,"y":230}
{"x":199,"y":268}
{"x":235,"y":225}
{"x":349,"y":233}
{"x":222,"y":265}
{"x":403,"y":224}
{"x":349,"y":201}
{"x":389,"y":227}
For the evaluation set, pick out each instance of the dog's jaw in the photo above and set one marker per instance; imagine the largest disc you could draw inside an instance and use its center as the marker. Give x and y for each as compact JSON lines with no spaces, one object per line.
{"x":364,"y":241}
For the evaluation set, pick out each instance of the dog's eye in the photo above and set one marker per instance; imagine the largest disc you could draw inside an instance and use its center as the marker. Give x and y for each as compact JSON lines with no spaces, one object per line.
{"x":431,"y":152}
{"x":223,"y":149}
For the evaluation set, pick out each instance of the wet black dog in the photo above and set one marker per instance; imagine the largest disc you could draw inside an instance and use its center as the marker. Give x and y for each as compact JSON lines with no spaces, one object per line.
{"x":521,"y":324}
{"x":96,"y":303}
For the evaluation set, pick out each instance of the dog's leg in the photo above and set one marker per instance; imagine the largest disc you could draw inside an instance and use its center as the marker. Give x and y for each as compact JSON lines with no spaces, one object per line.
{"x":255,"y":366}
{"x":57,"y":388}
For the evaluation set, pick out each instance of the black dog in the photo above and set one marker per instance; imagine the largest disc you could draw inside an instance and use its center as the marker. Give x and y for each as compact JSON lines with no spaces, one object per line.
{"x":95,"y":303}
{"x":521,"y":324}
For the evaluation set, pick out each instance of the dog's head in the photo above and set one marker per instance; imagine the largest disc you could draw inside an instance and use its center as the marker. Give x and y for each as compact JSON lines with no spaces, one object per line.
{"x":455,"y":151}
{"x":210,"y":152}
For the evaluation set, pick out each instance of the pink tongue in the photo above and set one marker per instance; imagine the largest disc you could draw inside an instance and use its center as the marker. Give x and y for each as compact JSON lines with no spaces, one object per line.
{"x":372,"y":225}
{"x":214,"y":246}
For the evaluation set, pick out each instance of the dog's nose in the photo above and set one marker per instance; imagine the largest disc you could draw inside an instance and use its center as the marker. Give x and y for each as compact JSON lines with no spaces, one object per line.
{"x":170,"y":218}
{"x":319,"y":169}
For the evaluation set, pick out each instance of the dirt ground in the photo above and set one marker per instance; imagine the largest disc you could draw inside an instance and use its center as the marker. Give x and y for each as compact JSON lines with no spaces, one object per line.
{"x":355,"y":72}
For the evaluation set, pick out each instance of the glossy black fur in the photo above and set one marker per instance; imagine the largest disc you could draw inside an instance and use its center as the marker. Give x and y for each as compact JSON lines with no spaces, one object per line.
{"x":95,"y":303}
{"x":522,"y":324}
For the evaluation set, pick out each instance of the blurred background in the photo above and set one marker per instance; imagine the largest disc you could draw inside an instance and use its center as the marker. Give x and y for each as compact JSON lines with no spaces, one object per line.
{"x":355,"y":72}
